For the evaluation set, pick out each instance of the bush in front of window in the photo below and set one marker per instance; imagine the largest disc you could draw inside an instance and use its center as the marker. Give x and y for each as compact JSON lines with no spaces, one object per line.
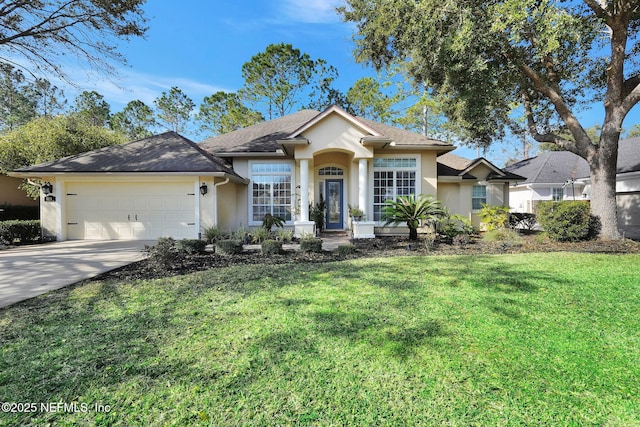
{"x":452,"y":226}
{"x":494,"y":216}
{"x":568,"y":221}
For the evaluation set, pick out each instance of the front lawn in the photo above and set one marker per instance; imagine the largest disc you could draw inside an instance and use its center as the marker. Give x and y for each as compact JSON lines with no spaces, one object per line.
{"x":490,"y":340}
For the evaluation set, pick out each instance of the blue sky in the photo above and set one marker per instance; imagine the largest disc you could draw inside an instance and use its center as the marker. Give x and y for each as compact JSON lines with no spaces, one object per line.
{"x":200,"y":46}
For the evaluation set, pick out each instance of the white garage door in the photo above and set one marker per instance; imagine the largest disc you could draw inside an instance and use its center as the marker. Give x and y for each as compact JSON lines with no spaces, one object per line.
{"x":138,"y":211}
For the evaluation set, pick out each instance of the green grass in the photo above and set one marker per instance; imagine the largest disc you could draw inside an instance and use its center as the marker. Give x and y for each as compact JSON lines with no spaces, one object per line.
{"x":533,"y":339}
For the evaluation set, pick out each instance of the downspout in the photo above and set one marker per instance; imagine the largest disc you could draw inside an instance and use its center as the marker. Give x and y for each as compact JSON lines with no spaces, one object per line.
{"x":215,"y":196}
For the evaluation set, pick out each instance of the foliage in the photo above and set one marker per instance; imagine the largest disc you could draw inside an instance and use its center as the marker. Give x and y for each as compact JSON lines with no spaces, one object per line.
{"x":241,"y":234}
{"x":271,"y":247}
{"x":165,"y":255}
{"x":355,"y":212}
{"x":136,"y":120}
{"x":49,"y":138}
{"x":212,"y":234}
{"x":523,"y":221}
{"x":260,"y":235}
{"x":567,"y":221}
{"x":449,"y":227}
{"x":22,"y":231}
{"x":9,"y":212}
{"x":284,"y":235}
{"x":269,"y":221}
{"x":277,"y":77}
{"x":345,"y":250}
{"x":494,"y":216}
{"x":317,"y":214}
{"x":91,"y":107}
{"x":366,"y":99}
{"x":312,"y":244}
{"x":224,"y":112}
{"x":550,"y":57}
{"x":191,"y":246}
{"x":42,"y":34}
{"x":173,"y":109}
{"x":229,"y":247}
{"x":412,"y":211}
{"x":503,"y":235}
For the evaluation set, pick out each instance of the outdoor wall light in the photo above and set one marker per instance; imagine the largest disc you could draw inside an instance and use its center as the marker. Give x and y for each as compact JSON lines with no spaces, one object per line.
{"x":204,"y":189}
{"x":47,"y":188}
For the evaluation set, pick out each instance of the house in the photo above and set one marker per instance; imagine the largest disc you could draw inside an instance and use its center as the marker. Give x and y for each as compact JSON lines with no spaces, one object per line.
{"x":561,"y":175}
{"x":166,"y":185}
{"x":10,"y":194}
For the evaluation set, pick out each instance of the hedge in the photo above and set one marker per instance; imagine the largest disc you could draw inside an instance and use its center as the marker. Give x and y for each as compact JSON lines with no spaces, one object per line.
{"x":13,"y":212}
{"x":19,"y":231}
{"x":567,"y":221}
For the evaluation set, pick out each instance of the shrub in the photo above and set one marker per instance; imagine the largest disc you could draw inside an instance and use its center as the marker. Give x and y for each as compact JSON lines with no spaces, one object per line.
{"x":412,"y":211}
{"x":272,"y":247}
{"x":344,"y":250}
{"x":504,"y":235}
{"x":213,"y":234}
{"x":567,"y":221}
{"x":285,"y":235}
{"x":229,"y":247}
{"x":21,"y":231}
{"x":524,"y":221}
{"x":494,"y":216}
{"x":260,"y":235}
{"x":311,"y":245}
{"x":452,"y":226}
{"x":269,"y":221}
{"x":165,"y":254}
{"x":192,"y":246}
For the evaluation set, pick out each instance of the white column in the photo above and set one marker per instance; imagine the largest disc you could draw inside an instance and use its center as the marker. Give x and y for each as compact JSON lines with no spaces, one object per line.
{"x":362,"y":185}
{"x":304,"y":190}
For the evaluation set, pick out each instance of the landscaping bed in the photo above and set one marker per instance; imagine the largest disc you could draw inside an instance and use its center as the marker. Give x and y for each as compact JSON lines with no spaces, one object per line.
{"x":385,"y":246}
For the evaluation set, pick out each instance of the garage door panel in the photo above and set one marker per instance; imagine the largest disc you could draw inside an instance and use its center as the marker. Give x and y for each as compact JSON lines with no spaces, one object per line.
{"x":102,"y":211}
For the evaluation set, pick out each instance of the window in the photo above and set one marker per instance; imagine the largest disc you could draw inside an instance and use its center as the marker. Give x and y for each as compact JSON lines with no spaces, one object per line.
{"x":557,"y":194}
{"x":331,"y":171}
{"x":271,"y":185}
{"x":479,"y":197}
{"x":392,"y":177}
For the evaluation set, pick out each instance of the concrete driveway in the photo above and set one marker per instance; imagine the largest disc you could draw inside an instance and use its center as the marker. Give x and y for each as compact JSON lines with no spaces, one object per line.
{"x":27,"y":271}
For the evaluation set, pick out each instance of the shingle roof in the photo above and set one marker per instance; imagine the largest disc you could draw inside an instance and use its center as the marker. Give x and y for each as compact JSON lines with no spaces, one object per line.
{"x":629,"y":155}
{"x":263,"y":137}
{"x":453,"y":165}
{"x":167,"y":152}
{"x":552,"y":167}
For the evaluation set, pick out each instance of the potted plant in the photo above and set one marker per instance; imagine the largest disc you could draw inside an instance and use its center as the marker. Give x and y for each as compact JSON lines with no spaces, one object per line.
{"x":356,"y":214}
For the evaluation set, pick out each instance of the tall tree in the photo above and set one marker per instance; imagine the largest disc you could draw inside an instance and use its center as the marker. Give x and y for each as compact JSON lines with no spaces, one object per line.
{"x":277,"y":79}
{"x":16,"y":106}
{"x":367,"y":99}
{"x":49,"y":138}
{"x":91,"y":106}
{"x":551,"y":55}
{"x":173,"y":109}
{"x":43,"y":32}
{"x":49,"y":99}
{"x":136,"y":120}
{"x":224,"y":112}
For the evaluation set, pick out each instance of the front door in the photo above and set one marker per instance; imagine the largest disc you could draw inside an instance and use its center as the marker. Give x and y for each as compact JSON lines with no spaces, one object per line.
{"x":334,"y":219}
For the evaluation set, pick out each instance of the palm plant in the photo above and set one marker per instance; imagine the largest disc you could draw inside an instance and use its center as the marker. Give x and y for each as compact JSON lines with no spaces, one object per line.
{"x":412,"y":211}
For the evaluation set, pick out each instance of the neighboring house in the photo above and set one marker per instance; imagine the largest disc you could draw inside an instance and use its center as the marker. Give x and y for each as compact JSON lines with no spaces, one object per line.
{"x":10,"y":194}
{"x":561,"y":175}
{"x":166,"y":185}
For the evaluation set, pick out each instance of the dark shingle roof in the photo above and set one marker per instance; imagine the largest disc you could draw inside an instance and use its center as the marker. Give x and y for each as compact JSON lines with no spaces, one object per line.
{"x":263,"y":137}
{"x":453,"y":165}
{"x":552,"y":167}
{"x":629,"y":155}
{"x":167,"y":152}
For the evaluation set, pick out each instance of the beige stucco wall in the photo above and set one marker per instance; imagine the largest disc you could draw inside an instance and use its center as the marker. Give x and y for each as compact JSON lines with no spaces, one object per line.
{"x":10,"y":194}
{"x":333,"y":133}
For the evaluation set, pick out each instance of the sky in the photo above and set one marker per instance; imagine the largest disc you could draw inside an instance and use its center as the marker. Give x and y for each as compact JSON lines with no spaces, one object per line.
{"x":200,"y":47}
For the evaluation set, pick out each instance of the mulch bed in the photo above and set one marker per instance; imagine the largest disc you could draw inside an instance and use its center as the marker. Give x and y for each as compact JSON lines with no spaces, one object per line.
{"x":378,"y":247}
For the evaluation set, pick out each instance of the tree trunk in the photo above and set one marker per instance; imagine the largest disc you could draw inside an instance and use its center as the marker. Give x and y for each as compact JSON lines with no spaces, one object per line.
{"x":413,"y":233}
{"x":603,"y":187}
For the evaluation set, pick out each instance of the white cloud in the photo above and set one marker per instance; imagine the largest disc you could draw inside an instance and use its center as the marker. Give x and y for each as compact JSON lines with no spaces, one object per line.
{"x":312,"y":11}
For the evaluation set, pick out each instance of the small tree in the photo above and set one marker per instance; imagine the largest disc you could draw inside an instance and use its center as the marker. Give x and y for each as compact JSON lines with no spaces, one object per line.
{"x":412,"y":211}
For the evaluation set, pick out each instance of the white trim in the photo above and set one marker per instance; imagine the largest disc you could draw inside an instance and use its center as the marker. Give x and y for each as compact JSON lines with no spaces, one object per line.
{"x":373,"y":169}
{"x":196,"y":207}
{"x":250,"y":164}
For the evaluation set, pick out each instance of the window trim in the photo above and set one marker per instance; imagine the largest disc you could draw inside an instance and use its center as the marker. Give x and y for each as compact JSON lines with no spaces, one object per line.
{"x":479,"y":185}
{"x":372,"y":169}
{"x":250,"y":221}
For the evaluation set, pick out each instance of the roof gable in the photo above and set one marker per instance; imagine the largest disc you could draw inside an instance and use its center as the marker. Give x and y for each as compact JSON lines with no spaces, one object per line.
{"x":168,"y":152}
